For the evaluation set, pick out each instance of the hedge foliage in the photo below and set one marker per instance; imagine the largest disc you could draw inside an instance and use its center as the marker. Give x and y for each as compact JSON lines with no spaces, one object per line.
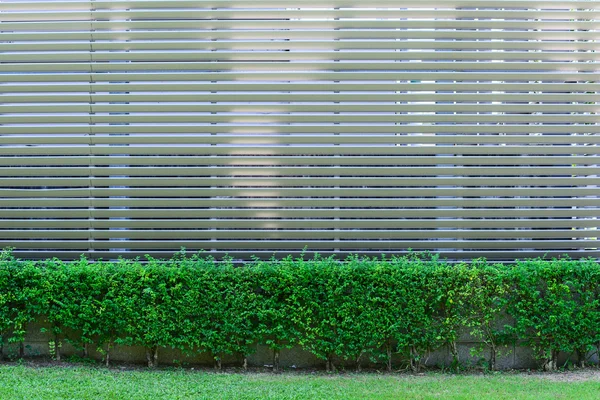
{"x":353,"y":310}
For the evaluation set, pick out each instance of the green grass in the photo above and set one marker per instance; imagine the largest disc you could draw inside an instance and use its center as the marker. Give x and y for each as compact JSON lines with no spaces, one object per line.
{"x":89,"y":382}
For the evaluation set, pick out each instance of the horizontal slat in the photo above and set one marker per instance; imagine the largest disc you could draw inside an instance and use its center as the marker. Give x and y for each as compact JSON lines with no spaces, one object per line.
{"x":302,"y":45}
{"x":266,"y":14}
{"x":301,"y":224}
{"x":340,"y":234}
{"x":313,"y":234}
{"x":275,"y":161}
{"x":337,"y":224}
{"x":347,"y":213}
{"x":197,"y":32}
{"x":298,"y":128}
{"x":299,"y":202}
{"x":312,"y":244}
{"x":296,"y":55}
{"x":150,"y":4}
{"x":298,"y":87}
{"x":251,"y":118}
{"x":302,"y":97}
{"x":85,"y":23}
{"x":258,"y":66}
{"x":314,"y":118}
{"x":29,"y":152}
{"x":296,"y":45}
{"x":338,"y":97}
{"x":299,"y":182}
{"x":341,"y":76}
{"x":297,"y":171}
{"x":314,"y":128}
{"x":504,"y":256}
{"x":280,"y":141}
{"x":565,"y":213}
{"x":306,"y":171}
{"x":316,"y":193}
{"x":274,"y":108}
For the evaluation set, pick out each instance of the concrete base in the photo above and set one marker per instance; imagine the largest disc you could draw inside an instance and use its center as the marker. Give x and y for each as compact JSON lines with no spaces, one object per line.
{"x":39,"y":344}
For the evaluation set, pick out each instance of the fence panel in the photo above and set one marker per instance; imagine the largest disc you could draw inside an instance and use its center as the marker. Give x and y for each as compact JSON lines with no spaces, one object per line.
{"x":464,"y":127}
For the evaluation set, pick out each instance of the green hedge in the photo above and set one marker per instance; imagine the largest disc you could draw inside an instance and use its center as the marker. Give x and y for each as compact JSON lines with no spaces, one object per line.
{"x":354,"y":310}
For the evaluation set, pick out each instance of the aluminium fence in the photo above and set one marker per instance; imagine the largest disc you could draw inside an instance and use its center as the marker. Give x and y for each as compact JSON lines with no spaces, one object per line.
{"x":464,"y":127}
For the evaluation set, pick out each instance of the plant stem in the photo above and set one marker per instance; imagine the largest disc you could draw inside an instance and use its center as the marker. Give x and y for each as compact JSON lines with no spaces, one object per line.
{"x":388,"y":349}
{"x":217,"y":359}
{"x":152,"y":356}
{"x":275,"y":360}
{"x":57,"y":348}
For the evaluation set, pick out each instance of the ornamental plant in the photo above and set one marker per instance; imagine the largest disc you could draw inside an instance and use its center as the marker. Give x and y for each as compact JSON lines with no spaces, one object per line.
{"x":388,"y":311}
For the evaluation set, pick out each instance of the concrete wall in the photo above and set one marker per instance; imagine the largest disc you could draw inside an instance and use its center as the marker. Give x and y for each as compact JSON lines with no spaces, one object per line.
{"x":37,"y":344}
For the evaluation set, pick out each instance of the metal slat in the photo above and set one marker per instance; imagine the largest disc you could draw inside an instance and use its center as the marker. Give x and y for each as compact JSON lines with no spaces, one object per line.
{"x":333,"y":171}
{"x":317,"y":193}
{"x":269,"y":182}
{"x":298,"y":202}
{"x":241,"y":142}
{"x":262,"y":107}
{"x":298,"y":55}
{"x":84,"y":22}
{"x":328,"y":223}
{"x":345,"y":239}
{"x":364,"y":129}
{"x":292,"y":245}
{"x":311,"y":212}
{"x":257,"y":161}
{"x":117,"y":216}
{"x":186,"y":13}
{"x":283,"y":76}
{"x":152,"y":4}
{"x":239,"y":255}
{"x":315,"y":224}
{"x":296,"y":45}
{"x":243,"y":151}
{"x":122,"y":98}
{"x":297,"y":87}
{"x":297,"y":118}
{"x":294,"y":235}
{"x":116,"y":34}
{"x":257,"y":66}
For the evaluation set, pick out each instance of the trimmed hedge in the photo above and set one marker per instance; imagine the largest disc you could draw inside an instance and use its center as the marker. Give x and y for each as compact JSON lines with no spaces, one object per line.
{"x":357,"y":309}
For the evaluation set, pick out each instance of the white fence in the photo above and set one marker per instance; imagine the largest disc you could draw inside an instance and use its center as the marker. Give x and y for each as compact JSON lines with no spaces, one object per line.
{"x":251,"y":127}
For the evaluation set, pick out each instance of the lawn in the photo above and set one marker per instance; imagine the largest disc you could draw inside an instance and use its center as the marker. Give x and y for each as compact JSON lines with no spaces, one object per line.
{"x":89,"y":382}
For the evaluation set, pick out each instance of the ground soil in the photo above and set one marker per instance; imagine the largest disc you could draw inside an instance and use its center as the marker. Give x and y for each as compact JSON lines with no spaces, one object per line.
{"x":574,"y":375}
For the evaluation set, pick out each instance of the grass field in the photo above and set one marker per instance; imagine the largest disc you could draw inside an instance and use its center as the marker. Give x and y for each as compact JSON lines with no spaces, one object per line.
{"x":89,"y":382}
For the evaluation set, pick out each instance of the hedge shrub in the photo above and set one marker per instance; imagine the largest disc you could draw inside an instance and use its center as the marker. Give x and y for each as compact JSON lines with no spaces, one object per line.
{"x":350,"y":311}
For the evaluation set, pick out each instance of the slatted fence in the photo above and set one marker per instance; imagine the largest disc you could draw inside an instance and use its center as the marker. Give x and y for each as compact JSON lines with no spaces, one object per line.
{"x":465,"y":127}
